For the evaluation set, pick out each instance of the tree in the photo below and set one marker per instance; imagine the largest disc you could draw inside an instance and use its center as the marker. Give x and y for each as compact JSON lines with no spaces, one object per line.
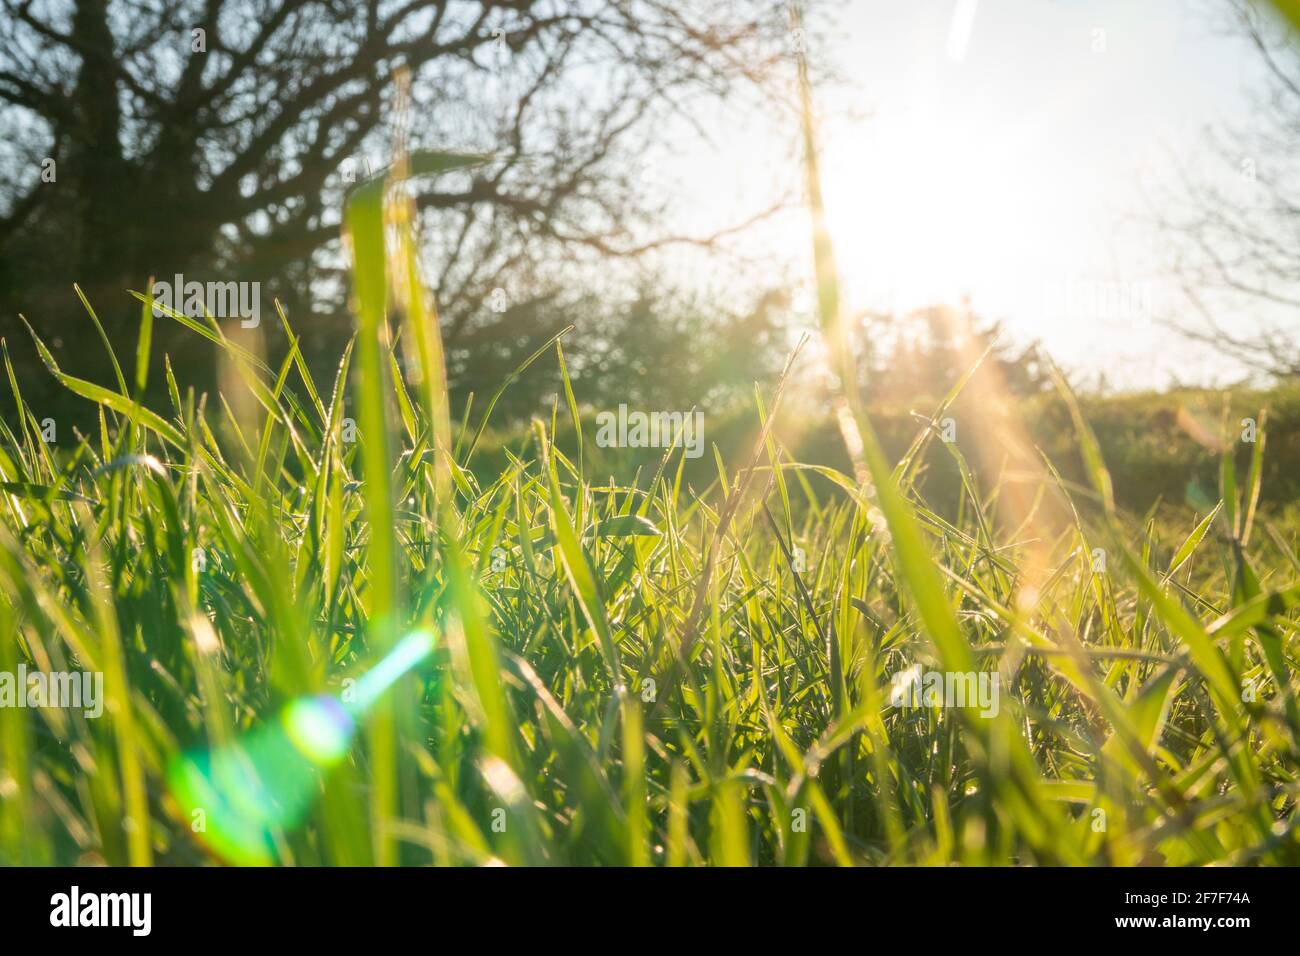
{"x":214,"y":138}
{"x":920,"y":355}
{"x":1233,"y":228}
{"x":651,"y":349}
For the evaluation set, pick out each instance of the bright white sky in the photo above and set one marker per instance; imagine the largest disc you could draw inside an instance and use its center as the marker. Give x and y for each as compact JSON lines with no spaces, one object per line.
{"x":1007,"y":163}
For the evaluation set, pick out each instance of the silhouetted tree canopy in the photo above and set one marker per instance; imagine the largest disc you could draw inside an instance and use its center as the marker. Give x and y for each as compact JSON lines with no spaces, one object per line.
{"x":214,"y":138}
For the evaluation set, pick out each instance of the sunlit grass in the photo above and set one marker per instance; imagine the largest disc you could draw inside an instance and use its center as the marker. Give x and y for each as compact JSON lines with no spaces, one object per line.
{"x":622,"y":673}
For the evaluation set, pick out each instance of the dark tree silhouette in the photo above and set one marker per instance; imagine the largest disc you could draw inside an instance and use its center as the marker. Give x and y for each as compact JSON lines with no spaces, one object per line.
{"x":214,"y":138}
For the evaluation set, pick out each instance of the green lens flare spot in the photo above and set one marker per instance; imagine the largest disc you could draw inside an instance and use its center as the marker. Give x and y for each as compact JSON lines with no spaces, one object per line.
{"x":320,"y":727}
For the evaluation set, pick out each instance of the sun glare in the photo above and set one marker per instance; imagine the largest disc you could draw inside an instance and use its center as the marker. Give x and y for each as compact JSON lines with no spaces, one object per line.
{"x":926,"y":206}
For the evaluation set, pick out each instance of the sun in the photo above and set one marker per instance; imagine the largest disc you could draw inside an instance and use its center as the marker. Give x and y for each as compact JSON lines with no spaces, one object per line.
{"x":941,"y":198}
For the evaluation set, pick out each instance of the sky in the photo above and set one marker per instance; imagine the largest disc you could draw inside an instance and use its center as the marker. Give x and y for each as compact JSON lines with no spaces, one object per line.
{"x":1006,"y":151}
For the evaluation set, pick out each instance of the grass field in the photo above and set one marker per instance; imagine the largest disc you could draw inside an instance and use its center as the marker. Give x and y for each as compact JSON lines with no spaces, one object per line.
{"x":627,"y":674}
{"x":545,"y":666}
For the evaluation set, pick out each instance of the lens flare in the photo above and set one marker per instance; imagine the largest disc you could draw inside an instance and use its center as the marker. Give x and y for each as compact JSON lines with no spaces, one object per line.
{"x":320,"y":728}
{"x":242,"y":798}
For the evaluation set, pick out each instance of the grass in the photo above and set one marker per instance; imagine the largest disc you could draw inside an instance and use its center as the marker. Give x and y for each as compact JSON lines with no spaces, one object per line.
{"x":625,"y":673}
